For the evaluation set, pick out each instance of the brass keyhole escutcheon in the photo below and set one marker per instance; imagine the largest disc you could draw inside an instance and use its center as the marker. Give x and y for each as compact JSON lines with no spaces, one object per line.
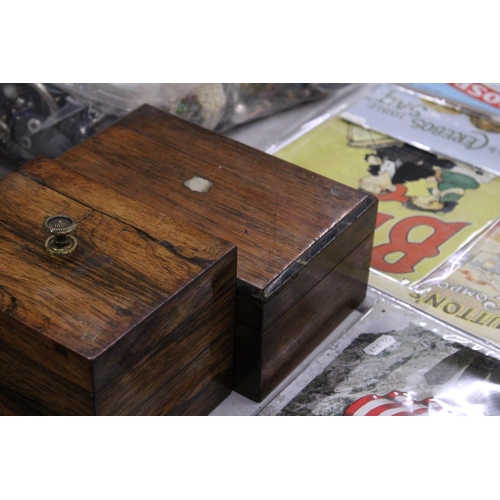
{"x":62,"y":228}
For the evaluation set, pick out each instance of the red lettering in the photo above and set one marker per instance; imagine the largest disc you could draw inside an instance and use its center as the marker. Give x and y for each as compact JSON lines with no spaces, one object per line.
{"x":491,"y":98}
{"x":382,"y":219}
{"x":479,"y":92}
{"x":413,"y":253}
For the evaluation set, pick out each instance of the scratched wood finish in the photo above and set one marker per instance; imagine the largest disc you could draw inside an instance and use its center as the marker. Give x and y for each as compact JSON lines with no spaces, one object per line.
{"x":92,"y":333}
{"x":292,"y":227}
{"x":266,"y":358}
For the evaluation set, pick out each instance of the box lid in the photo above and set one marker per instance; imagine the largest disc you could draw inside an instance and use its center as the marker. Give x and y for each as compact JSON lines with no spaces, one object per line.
{"x":131,"y":259}
{"x":280,"y":216}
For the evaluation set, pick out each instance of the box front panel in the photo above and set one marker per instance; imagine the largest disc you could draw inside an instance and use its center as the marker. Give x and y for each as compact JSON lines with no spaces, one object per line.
{"x":263,"y":360}
{"x":39,"y":382}
{"x":146,"y":383}
{"x":261,"y":315}
{"x":199,"y":388}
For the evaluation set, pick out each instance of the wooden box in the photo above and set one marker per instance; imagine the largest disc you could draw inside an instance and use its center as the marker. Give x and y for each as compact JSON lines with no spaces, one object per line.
{"x":304,"y":241}
{"x":139,"y":320}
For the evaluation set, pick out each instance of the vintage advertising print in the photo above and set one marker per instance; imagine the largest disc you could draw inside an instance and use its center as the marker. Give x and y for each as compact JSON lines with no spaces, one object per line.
{"x":429,"y":206}
{"x":465,"y":291}
{"x":483,"y":98}
{"x":466,"y":137}
{"x":420,"y":369}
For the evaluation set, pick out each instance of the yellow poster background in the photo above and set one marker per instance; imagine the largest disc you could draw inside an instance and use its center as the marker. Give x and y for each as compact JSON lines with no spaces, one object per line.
{"x":337,"y":149}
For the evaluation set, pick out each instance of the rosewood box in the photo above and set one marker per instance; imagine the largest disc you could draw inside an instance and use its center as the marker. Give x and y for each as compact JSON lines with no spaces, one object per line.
{"x":138,"y":320}
{"x":304,"y":241}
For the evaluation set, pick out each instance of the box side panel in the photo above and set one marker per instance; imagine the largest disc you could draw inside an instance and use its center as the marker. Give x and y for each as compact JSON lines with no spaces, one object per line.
{"x":247,"y":362}
{"x":12,"y":408}
{"x":147,"y":382}
{"x":297,"y":333}
{"x":188,"y":302}
{"x":260,"y":315}
{"x":41,"y":382}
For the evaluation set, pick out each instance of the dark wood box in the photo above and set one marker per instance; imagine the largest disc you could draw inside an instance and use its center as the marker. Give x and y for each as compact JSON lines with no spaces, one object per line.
{"x":139,"y":320}
{"x":304,"y":241}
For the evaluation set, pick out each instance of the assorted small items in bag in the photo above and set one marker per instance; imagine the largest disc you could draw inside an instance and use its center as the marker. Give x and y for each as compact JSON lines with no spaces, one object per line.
{"x":48,"y":119}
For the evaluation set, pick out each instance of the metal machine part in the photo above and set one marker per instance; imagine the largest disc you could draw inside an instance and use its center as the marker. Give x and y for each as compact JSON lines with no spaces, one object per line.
{"x":38,"y":119}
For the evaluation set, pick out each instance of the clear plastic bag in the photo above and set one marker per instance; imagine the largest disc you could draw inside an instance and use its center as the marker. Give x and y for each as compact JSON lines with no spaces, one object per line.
{"x":48,"y":119}
{"x":200,"y":103}
{"x":219,"y":106}
{"x":394,"y":361}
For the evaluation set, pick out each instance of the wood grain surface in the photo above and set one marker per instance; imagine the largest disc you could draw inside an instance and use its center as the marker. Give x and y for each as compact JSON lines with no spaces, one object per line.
{"x":79,"y":324}
{"x":273,"y":211}
{"x":297,"y":232}
{"x":264,"y":359}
